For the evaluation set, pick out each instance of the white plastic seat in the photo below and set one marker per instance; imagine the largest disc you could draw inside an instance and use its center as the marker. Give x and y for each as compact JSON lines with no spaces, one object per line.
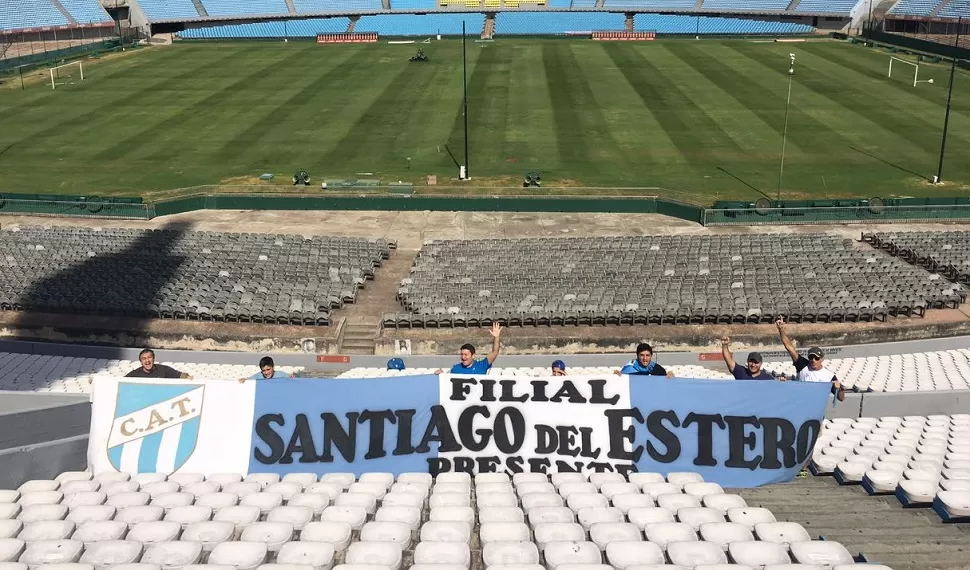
{"x":603,"y":478}
{"x":783,"y":533}
{"x":11,"y":549}
{"x":83,"y":498}
{"x":460,"y":514}
{"x":240,"y":516}
{"x":642,"y":516}
{"x":526,"y":478}
{"x":443,"y":488}
{"x":72,"y":476}
{"x":314,"y":501}
{"x":487,"y":488}
{"x":682,"y":478}
{"x":694,"y":553}
{"x":209,"y":533}
{"x":490,"y":500}
{"x":9,"y":510}
{"x":641,"y":479}
{"x":265,"y":502}
{"x":294,"y":515}
{"x":134,"y":515}
{"x":111,"y":552}
{"x":883,"y":480}
{"x":218,"y":500}
{"x":557,"y":532}
{"x":507,"y":553}
{"x":758,"y":554}
{"x":559,"y":479}
{"x":560,"y":553}
{"x":129,"y":499}
{"x":539,"y":500}
{"x":918,"y":491}
{"x":592,"y":515}
{"x":567,"y":489}
{"x":115,"y":487}
{"x":274,"y":534}
{"x":45,"y":552}
{"x":654,"y":490}
{"x":22,"y":566}
{"x":288,"y":489}
{"x":343,"y":480}
{"x":626,"y":501}
{"x":317,"y":555}
{"x":304,"y":480}
{"x":613,"y":488}
{"x":724,"y":533}
{"x":543,"y":486}
{"x":423,"y":478}
{"x":154,"y":531}
{"x":156,"y":488}
{"x":453,"y":553}
{"x":264,"y":479}
{"x":603,"y":533}
{"x":825,"y":553}
{"x":185,"y":479}
{"x":702,"y":489}
{"x":366,"y":501}
{"x":10,"y":528}
{"x":404,"y":499}
{"x":376,"y":478}
{"x":173,"y":554}
{"x":172,"y":500}
{"x":410,"y":488}
{"x":376,"y":553}
{"x":337,"y":533}
{"x":148,"y":478}
{"x":578,"y":501}
{"x":483,"y":478}
{"x":663,"y":533}
{"x":242,"y":488}
{"x":329,"y":489}
{"x":391,"y":532}
{"x":111,"y":477}
{"x":409,"y":515}
{"x":750,"y":516}
{"x":696,"y":516}
{"x":504,"y":532}
{"x":354,"y":516}
{"x":241,"y":555}
{"x":38,"y":485}
{"x":624,"y":555}
{"x":445,"y":532}
{"x":46,"y":530}
{"x":449,"y":500}
{"x":501,"y":514}
{"x":188,"y":514}
{"x":29,"y":498}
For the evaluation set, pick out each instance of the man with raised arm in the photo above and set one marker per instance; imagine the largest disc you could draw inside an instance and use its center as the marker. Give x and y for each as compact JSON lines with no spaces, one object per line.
{"x":468,"y":364}
{"x":809,"y":369}
{"x":752,"y":371}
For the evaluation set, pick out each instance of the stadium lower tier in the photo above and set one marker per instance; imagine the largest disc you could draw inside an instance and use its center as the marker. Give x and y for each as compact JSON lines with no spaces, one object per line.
{"x":569,"y":521}
{"x":506,"y":24}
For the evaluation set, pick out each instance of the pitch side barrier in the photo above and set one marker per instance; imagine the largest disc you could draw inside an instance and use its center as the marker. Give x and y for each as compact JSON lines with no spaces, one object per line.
{"x":737,"y":434}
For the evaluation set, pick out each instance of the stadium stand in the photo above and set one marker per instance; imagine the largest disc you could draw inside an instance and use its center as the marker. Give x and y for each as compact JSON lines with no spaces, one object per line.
{"x":923,"y":460}
{"x":955,"y":9}
{"x":86,"y":11}
{"x":183,"y":275}
{"x":914,"y":7}
{"x":644,"y":4}
{"x":414,"y":4}
{"x":559,"y":3}
{"x":751,"y":5}
{"x":381,"y":521}
{"x":673,"y":24}
{"x":29,"y":14}
{"x":942,"y":253}
{"x":250,"y":7}
{"x":168,"y":9}
{"x":551,"y":23}
{"x":420,"y":24}
{"x":691,"y":279}
{"x":316,"y":6}
{"x":292,"y":29}
{"x":834,"y":6}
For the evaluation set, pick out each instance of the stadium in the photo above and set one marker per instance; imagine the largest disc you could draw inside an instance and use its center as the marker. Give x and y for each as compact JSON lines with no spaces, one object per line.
{"x":484,"y":284}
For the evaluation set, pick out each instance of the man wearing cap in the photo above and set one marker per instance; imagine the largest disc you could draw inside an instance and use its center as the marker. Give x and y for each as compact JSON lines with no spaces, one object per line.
{"x":810,"y":369}
{"x":396,"y":364}
{"x":752,"y":371}
{"x":558,"y":368}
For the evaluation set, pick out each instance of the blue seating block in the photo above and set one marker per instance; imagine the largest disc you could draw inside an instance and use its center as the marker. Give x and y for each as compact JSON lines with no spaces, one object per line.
{"x":168,"y":9}
{"x":834,"y":6}
{"x":671,"y":24}
{"x":29,"y":14}
{"x":244,"y":7}
{"x":86,"y":11}
{"x":668,"y":4}
{"x":554,"y":23}
{"x":745,"y":5}
{"x":293,"y":29}
{"x":316,"y":6}
{"x":420,"y":25}
{"x":414,"y":4}
{"x":915,"y":7}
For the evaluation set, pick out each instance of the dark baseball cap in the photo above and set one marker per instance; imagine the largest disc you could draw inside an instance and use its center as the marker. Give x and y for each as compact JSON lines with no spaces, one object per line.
{"x":816,"y":351}
{"x":755,"y":356}
{"x":559,"y":364}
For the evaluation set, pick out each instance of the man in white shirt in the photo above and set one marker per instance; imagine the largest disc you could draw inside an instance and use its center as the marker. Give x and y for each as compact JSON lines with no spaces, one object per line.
{"x":809,"y":369}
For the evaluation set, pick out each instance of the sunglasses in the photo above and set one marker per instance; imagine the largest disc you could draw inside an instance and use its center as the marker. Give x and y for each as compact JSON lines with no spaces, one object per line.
{"x":753,"y":362}
{"x":813,"y":357}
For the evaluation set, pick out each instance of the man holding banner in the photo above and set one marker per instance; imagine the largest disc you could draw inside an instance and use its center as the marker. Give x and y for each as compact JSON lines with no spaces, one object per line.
{"x":752,"y":371}
{"x":809,"y":369}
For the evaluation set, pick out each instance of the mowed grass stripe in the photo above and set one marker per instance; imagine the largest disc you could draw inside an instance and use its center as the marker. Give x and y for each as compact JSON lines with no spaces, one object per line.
{"x":582,"y":134}
{"x":273,"y":65}
{"x":370,"y":140}
{"x":488,"y":100}
{"x":529,"y":116}
{"x":740,"y":119}
{"x":698,"y":138}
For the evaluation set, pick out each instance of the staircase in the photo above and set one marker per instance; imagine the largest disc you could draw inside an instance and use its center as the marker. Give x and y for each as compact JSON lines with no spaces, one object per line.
{"x":359,"y":335}
{"x":628,"y":22}
{"x":386,"y":4}
{"x":488,"y":30}
{"x":940,"y":8}
{"x":64,"y":12}
{"x":599,"y":3}
{"x":698,"y":5}
{"x":290,"y":7}
{"x":200,"y":8}
{"x":792,"y":5}
{"x":353,"y":23}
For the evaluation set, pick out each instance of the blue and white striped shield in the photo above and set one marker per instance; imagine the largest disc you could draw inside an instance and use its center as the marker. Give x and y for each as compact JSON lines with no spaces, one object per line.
{"x":155,"y":426}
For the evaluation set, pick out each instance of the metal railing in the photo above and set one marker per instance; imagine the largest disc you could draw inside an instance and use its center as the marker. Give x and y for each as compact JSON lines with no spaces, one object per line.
{"x":835,"y":215}
{"x":94,"y":208}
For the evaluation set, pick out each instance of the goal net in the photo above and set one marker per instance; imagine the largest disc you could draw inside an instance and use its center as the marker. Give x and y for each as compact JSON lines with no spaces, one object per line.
{"x":67,"y":74}
{"x":906,"y":69}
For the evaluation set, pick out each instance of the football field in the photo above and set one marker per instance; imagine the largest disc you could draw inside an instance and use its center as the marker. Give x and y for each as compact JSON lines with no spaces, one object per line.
{"x":700,"y":119}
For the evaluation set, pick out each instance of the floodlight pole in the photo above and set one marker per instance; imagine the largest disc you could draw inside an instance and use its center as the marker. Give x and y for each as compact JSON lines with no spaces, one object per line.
{"x":464,"y":86}
{"x":949,"y":96}
{"x":869,"y":27}
{"x":784,"y":133}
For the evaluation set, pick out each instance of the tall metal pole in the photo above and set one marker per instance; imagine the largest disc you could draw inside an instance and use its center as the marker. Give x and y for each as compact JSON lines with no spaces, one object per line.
{"x":949,"y":95}
{"x":869,"y":26}
{"x":784,"y":133}
{"x":464,"y":85}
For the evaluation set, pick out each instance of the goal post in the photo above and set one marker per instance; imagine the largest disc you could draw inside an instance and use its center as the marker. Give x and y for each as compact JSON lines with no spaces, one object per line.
{"x":910,"y":64}
{"x":67,"y":74}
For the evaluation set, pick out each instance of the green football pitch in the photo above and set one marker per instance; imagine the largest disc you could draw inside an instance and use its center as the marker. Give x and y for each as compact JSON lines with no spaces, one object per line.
{"x":700,"y":120}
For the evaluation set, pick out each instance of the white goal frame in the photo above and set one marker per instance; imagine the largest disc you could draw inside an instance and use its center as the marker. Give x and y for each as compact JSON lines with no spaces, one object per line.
{"x":915,"y":64}
{"x":54,"y":69}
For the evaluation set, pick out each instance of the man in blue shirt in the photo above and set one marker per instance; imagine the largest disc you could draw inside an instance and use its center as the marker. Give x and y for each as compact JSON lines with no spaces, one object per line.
{"x":644,"y":364}
{"x":468,"y":364}
{"x":267,"y":370}
{"x":752,"y":371}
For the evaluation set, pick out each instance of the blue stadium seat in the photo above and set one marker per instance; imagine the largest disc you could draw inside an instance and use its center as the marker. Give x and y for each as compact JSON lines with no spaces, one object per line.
{"x":668,"y":4}
{"x":86,"y":11}
{"x":746,"y":5}
{"x":584,"y":4}
{"x":293,"y":29}
{"x":835,"y":6}
{"x":244,"y":8}
{"x":956,"y":9}
{"x":420,"y":25}
{"x":414,"y":4}
{"x":689,"y":25}
{"x":316,"y":6}
{"x":168,"y":9}
{"x":559,"y":3}
{"x":915,"y":7}
{"x":551,"y":23}
{"x":29,"y":14}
